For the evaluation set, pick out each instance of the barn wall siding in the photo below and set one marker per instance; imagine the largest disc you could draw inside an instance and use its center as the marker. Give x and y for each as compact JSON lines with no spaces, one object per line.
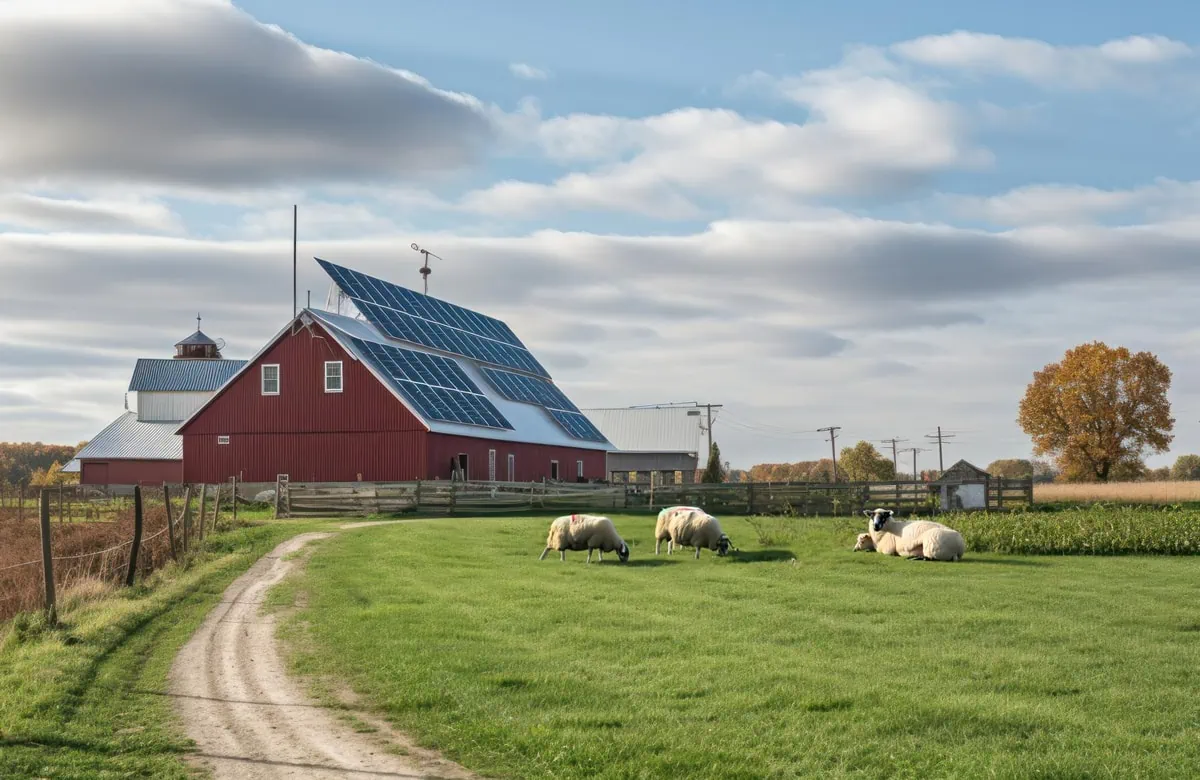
{"x":532,"y":460}
{"x":302,"y":405}
{"x":155,"y":406}
{"x":130,"y":472}
{"x":382,"y":456}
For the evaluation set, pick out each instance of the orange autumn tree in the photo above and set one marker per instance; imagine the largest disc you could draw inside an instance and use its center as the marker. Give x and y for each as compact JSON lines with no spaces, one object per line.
{"x":1098,"y":410}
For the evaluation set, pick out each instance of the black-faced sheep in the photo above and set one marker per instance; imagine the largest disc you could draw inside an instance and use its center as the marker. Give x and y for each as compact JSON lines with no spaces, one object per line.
{"x":585,"y":532}
{"x":919,"y":539}
{"x":689,"y":526}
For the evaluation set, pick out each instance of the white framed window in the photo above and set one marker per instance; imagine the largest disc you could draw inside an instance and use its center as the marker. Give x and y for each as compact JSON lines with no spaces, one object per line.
{"x":333,"y":376}
{"x":579,"y":469}
{"x":270,"y":379}
{"x":222,"y":440}
{"x":554,"y":469}
{"x":491,"y":465}
{"x":512,"y":467}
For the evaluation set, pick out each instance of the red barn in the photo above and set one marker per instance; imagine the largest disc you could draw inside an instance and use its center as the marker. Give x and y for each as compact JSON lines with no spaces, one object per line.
{"x":409,"y":387}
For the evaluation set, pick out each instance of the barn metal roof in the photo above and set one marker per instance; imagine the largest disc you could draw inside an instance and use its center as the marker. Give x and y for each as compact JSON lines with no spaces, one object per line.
{"x":126,"y":438}
{"x":531,"y":424}
{"x":668,"y":429}
{"x":72,"y":466}
{"x":171,"y":375}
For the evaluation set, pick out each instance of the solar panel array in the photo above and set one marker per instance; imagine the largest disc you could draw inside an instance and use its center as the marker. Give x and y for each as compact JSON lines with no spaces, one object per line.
{"x":436,"y":386}
{"x":409,"y":316}
{"x":530,"y":390}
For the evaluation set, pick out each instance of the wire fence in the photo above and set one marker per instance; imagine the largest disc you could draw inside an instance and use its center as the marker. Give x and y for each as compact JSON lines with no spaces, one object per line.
{"x":102,"y":539}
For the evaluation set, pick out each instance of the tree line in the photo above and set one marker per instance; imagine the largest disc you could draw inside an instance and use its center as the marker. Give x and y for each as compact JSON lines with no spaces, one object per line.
{"x":35,"y":463}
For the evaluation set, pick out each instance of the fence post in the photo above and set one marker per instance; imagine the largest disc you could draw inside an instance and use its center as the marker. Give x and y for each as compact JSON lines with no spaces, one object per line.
{"x":137,"y":535}
{"x":1029,"y":491}
{"x":417,"y":506}
{"x":47,"y":559}
{"x":187,"y":517}
{"x":21,"y":502}
{"x":233,"y":498}
{"x":203,"y":499}
{"x":170,"y":521}
{"x":216,"y":506}
{"x":60,"y":512}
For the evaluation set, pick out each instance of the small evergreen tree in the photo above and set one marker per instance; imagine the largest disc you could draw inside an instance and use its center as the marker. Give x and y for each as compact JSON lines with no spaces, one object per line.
{"x":715,"y":472}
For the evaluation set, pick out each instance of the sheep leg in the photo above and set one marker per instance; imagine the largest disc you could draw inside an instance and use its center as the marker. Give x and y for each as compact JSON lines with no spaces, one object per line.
{"x":562,"y":555}
{"x":657,"y":542}
{"x":589,"y":558}
{"x":542,"y":557}
{"x":697,"y":552}
{"x":600,"y":553}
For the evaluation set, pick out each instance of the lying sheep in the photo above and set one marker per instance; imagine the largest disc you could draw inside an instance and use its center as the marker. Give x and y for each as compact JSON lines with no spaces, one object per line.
{"x":919,"y":539}
{"x":585,"y":532}
{"x":689,"y":526}
{"x":887,"y":545}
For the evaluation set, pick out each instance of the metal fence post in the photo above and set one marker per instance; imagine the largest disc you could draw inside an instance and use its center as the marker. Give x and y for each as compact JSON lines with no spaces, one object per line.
{"x":47,"y":559}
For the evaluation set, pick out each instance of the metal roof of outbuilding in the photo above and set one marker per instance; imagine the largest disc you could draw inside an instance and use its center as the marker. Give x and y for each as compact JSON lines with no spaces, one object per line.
{"x":170,"y":375}
{"x":126,"y":438}
{"x":199,"y":338}
{"x":665,"y":429}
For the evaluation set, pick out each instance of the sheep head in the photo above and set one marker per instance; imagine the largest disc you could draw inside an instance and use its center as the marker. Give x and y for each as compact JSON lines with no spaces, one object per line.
{"x":723,"y":545}
{"x":864,"y":543}
{"x":879,"y":518}
{"x":623,"y":553}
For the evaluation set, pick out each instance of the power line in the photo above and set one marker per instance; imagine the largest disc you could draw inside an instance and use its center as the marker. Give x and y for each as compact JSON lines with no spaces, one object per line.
{"x":940,"y":437}
{"x":832,"y":430}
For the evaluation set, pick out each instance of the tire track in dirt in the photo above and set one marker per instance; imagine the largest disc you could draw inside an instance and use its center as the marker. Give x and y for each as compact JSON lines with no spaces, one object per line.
{"x":250,"y":720}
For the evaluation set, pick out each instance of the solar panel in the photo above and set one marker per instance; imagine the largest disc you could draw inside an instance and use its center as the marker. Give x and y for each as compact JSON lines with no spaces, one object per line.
{"x":530,"y":390}
{"x":420,"y":319}
{"x":577,"y":425}
{"x":437,"y":387}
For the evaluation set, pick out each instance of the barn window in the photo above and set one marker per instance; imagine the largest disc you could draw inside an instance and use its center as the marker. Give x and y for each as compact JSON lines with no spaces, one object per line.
{"x":222,"y":440}
{"x":333,"y":376}
{"x":270,"y":379}
{"x":579,"y":469}
{"x":553,"y":469}
{"x":512,"y":467}
{"x":491,"y":465}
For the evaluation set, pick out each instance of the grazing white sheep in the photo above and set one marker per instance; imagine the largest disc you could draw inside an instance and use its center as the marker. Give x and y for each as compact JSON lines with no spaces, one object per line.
{"x":585,"y":532}
{"x":919,"y":539}
{"x":689,"y":526}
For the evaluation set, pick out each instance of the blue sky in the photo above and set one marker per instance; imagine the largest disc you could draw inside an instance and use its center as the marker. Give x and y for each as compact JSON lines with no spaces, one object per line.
{"x":872,"y":215}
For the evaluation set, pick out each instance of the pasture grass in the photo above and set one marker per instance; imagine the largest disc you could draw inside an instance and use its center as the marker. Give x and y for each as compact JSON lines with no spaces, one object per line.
{"x":87,"y":700}
{"x":792,"y":658}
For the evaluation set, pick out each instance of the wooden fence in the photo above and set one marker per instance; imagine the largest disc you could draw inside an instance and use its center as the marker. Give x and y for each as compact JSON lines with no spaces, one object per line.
{"x":438,"y":497}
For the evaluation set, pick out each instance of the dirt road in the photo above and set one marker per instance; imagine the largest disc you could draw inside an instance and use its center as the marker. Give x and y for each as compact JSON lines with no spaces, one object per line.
{"x":250,"y":720}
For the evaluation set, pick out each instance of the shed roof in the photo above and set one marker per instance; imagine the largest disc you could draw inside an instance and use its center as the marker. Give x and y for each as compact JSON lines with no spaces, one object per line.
{"x":667,"y":429}
{"x":199,"y":338}
{"x":169,"y":375}
{"x":126,"y":438}
{"x":960,"y":472}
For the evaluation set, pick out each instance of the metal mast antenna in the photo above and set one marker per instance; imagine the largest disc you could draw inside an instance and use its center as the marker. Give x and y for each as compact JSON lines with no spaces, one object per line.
{"x":425,"y":269}
{"x":832,"y":431}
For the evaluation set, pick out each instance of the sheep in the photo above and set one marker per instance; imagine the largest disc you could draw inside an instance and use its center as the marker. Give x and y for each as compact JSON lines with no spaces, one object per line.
{"x":887,"y":544}
{"x":918,"y":539}
{"x":585,"y":532}
{"x":691,"y":527}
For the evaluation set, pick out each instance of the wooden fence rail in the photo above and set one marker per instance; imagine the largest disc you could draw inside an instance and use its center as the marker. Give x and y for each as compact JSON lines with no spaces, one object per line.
{"x":438,"y":497}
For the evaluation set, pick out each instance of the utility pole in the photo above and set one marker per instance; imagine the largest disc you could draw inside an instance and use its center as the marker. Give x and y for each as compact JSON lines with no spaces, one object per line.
{"x":895,"y":461}
{"x":832,"y":431}
{"x":939,"y":436}
{"x":914,"y":451}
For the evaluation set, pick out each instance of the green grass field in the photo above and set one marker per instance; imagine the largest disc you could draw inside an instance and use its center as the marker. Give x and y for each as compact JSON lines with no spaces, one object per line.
{"x":836,"y":664}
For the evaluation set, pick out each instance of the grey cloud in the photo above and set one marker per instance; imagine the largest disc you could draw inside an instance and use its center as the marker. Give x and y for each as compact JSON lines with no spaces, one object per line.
{"x":802,"y":342}
{"x":196,"y":92}
{"x":44,"y":213}
{"x":555,"y":359}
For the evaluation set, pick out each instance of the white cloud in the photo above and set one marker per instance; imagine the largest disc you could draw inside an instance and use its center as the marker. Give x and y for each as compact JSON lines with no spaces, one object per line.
{"x":527,"y":72}
{"x":110,"y":214}
{"x":196,"y":92}
{"x":867,"y":135}
{"x":1050,"y":204}
{"x":1115,"y":62}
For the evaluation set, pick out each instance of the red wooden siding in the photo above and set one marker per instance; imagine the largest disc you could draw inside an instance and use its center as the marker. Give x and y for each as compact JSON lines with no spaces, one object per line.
{"x":130,"y":472}
{"x":532,"y":460}
{"x":302,"y":405}
{"x":382,"y":456}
